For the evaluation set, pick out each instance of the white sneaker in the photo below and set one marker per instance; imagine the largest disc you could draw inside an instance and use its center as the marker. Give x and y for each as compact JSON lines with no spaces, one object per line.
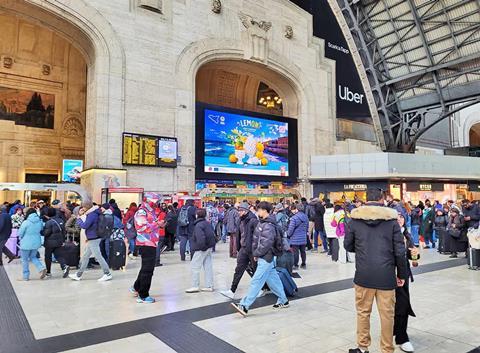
{"x":75,"y":277}
{"x":262,"y":293}
{"x":207,"y":289}
{"x":131,"y":257}
{"x":228,"y":293}
{"x":105,"y":278}
{"x":407,"y":347}
{"x":193,"y":290}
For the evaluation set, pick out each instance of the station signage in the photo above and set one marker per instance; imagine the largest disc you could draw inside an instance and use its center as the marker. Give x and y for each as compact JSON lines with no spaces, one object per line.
{"x":355,"y":187}
{"x":424,"y":186}
{"x":149,"y":151}
{"x":474,"y":186}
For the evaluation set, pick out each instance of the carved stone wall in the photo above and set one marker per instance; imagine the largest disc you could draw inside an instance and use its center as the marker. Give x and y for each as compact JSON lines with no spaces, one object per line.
{"x":40,"y":60}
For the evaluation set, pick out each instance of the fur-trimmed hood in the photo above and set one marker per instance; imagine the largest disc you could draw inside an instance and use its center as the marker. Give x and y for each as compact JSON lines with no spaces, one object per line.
{"x":374,"y":214}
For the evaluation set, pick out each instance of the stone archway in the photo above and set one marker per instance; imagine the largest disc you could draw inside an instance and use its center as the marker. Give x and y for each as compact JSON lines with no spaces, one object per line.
{"x":314,"y":116}
{"x":83,"y":26}
{"x":474,"y":135}
{"x":235,"y":84}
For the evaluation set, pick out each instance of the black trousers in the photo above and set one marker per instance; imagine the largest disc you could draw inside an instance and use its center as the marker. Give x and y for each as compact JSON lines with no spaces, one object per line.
{"x":170,"y":241}
{"x":144,"y":278}
{"x":243,"y":261}
{"x":5,"y":250}
{"x":400,"y":329}
{"x":58,"y":255}
{"x":334,"y":247}
{"x":303,"y":253}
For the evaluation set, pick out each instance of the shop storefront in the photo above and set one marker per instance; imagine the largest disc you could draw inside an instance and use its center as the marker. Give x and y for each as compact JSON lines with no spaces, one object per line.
{"x":347,"y":190}
{"x":237,"y":191}
{"x":407,"y":190}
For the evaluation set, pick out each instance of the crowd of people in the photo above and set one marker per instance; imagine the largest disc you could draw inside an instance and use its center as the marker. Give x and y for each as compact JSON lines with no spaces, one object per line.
{"x":262,"y":237}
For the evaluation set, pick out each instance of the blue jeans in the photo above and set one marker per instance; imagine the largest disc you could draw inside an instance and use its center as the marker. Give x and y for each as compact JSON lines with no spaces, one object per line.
{"x":265,"y":272}
{"x":224,"y":233}
{"x":415,"y":229}
{"x":131,"y":246}
{"x":323,"y":236}
{"x":27,"y":257}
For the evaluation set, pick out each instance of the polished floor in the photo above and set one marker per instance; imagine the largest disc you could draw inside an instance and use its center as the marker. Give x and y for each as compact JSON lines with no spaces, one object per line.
{"x":58,"y":314}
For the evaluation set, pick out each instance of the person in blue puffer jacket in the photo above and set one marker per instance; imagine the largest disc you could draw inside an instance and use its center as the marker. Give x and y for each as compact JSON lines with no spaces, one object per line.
{"x":297,"y":234}
{"x":29,"y":234}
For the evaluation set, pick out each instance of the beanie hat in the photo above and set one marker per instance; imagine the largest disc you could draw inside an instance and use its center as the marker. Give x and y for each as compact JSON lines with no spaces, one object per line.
{"x":243,"y":206}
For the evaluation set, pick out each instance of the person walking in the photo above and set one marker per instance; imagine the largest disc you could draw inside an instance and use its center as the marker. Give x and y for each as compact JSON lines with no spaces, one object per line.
{"x":428,"y":217}
{"x":54,"y":233}
{"x":185,"y":226}
{"x":416,"y":217}
{"x":30,"y":241}
{"x":375,"y":237}
{"x":403,"y":307}
{"x":248,"y":223}
{"x":297,"y":235}
{"x":89,"y":222}
{"x":202,"y":243}
{"x":232,"y":224}
{"x":130,"y":232}
{"x":267,"y":243}
{"x":318,"y":210}
{"x":147,"y":226}
{"x":170,"y":227}
{"x":5,"y":232}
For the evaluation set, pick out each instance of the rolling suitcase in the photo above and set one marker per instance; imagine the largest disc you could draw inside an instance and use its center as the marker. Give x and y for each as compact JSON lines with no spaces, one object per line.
{"x":71,"y":254}
{"x":473,"y":259}
{"x":288,"y":283}
{"x":118,"y":254}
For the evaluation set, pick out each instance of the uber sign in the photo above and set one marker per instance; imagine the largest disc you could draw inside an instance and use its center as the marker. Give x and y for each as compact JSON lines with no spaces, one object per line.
{"x":351,"y":102}
{"x":345,"y":94}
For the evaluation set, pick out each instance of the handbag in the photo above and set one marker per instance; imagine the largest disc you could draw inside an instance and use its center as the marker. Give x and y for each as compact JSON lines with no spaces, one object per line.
{"x":454,"y":233}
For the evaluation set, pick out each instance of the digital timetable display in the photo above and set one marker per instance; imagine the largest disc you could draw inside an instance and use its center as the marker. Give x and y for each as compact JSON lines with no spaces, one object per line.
{"x":149,"y":151}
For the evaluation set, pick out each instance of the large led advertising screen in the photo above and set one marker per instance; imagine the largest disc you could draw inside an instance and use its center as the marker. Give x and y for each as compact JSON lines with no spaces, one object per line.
{"x":245,"y":145}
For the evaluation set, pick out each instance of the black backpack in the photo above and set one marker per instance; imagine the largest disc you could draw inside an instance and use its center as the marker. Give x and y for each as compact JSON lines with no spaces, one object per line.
{"x":278,"y":243}
{"x":105,"y":225}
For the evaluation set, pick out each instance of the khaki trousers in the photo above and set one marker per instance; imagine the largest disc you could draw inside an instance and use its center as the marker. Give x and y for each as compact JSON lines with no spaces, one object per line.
{"x":385,"y":300}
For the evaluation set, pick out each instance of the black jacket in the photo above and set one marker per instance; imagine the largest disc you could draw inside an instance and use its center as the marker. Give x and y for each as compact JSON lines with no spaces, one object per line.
{"x":248,"y":223}
{"x":54,"y":232}
{"x":264,"y":238}
{"x":416,"y":216}
{"x":116,"y":211}
{"x":318,"y":213}
{"x":377,"y":241}
{"x":5,"y":226}
{"x":171,"y":221}
{"x":403,"y":306}
{"x":474,"y":213}
{"x":203,"y":236}
{"x":440,"y":222}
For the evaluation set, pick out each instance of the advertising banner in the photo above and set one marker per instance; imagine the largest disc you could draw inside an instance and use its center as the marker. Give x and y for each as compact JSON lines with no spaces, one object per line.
{"x":242,"y":144}
{"x":72,"y":170}
{"x":351,"y":100}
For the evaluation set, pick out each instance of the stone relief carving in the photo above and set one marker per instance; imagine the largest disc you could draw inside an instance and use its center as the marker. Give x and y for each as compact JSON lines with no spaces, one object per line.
{"x":73,"y":127}
{"x":46,"y":69}
{"x":288,"y":32}
{"x":13,"y":149}
{"x":217,"y":6}
{"x":7,"y":62}
{"x":257,"y":40}
{"x":248,"y":22}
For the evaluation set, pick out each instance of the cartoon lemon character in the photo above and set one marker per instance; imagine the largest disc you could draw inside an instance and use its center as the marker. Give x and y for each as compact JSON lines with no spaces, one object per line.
{"x":264,"y":161}
{"x":259,"y":154}
{"x":260,"y":147}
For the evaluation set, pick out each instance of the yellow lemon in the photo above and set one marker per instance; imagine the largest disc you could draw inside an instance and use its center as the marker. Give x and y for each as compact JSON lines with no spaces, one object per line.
{"x":260,"y":147}
{"x":233,"y":158}
{"x":259,"y":155}
{"x":264,"y":161}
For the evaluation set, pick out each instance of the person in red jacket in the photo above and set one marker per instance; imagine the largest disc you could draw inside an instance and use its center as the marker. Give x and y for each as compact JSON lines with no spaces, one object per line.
{"x":147,"y":227}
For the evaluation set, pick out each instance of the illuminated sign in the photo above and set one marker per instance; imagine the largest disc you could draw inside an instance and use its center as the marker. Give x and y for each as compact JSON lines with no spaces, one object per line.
{"x":149,"y":151}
